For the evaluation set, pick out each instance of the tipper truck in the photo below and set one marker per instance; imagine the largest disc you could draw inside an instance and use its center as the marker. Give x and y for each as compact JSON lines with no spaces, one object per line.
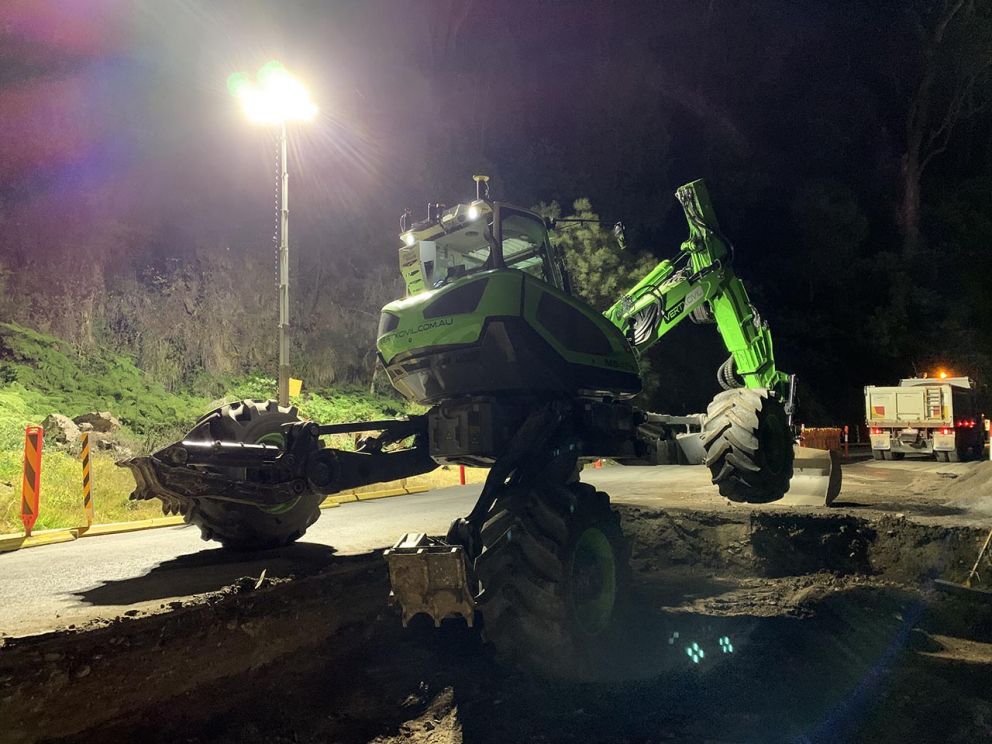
{"x":925,"y":416}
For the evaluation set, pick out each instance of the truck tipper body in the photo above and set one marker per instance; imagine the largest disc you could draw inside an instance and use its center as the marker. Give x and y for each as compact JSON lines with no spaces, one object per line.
{"x":928,"y":416}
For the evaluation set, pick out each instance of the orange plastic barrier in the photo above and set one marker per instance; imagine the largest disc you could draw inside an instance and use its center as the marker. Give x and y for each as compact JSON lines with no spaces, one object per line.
{"x":34,"y":437}
{"x":828,"y":438}
{"x":87,"y":486}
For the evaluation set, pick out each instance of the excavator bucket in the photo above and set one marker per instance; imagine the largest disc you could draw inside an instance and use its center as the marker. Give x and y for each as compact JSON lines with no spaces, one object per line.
{"x":428,"y":576}
{"x":816,"y":479}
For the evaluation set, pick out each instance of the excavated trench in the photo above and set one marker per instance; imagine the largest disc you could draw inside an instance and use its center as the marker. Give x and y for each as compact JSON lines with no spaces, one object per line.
{"x":811,"y":628}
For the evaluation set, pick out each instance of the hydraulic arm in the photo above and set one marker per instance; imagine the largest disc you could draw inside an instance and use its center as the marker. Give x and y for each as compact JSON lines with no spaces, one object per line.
{"x":701,"y":284}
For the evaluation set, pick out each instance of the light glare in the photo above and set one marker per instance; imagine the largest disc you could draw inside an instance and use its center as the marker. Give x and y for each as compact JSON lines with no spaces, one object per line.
{"x":473,"y":212}
{"x":278,"y":97}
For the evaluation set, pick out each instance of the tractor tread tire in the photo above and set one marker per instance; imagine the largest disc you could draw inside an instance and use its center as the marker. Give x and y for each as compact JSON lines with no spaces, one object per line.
{"x":523,"y":569}
{"x":242,"y":527}
{"x":732,"y":438}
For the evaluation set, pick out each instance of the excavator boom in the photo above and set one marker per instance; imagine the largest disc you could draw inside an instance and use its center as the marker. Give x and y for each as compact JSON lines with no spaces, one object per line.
{"x":701,"y":284}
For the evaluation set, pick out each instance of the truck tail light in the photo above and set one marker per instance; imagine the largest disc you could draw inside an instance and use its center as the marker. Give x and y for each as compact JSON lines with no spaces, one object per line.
{"x":965,"y":424}
{"x":875,"y":430}
{"x":945,"y":430}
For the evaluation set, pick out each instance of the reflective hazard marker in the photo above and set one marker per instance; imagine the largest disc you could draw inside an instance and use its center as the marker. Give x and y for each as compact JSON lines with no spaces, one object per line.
{"x":87,"y":486}
{"x":31,"y":485}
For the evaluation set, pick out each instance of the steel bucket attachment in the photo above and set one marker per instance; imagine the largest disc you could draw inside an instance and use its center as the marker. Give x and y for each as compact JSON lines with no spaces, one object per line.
{"x":429,"y":576}
{"x":816,"y":479}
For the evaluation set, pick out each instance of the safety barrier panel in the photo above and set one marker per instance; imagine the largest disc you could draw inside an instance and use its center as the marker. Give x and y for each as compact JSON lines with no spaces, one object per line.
{"x":34,"y":437}
{"x":84,"y":456}
{"x":828,"y":438}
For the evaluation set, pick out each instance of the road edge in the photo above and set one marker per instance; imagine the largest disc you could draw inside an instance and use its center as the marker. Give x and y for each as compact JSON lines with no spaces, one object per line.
{"x":13,"y":542}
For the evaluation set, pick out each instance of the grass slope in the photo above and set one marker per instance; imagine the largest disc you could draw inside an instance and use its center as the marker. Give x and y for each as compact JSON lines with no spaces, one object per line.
{"x":40,"y":374}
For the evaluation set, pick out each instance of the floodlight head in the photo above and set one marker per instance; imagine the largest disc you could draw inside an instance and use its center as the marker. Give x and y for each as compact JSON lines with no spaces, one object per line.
{"x":278,"y":97}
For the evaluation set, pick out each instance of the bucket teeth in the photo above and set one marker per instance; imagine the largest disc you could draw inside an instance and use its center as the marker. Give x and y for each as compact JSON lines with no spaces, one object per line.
{"x":173,"y":506}
{"x":429,"y":576}
{"x":147,"y":487}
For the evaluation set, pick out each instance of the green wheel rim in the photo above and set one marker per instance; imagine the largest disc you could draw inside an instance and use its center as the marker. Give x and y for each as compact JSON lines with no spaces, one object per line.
{"x":277,"y":439}
{"x":274,"y":437}
{"x":593,"y":581}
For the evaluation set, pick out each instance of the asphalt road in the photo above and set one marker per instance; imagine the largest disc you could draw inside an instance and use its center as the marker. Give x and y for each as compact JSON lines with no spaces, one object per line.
{"x":102,"y":577}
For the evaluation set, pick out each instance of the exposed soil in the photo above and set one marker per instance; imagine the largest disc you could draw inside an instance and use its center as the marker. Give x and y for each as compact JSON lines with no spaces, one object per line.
{"x":973,"y":490}
{"x":835,"y":630}
{"x":939,"y":493}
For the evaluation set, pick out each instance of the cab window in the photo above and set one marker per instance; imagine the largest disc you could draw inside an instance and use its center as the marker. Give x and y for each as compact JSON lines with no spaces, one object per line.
{"x":525,"y":245}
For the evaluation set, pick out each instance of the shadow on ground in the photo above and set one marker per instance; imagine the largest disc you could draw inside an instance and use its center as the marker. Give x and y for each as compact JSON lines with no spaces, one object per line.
{"x":208,"y":571}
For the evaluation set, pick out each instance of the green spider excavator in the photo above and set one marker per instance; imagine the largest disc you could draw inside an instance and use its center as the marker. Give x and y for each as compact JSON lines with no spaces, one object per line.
{"x":523,"y":377}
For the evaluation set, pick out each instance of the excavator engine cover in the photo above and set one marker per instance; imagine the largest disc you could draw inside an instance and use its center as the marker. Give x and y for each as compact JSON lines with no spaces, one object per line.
{"x":518,"y":335}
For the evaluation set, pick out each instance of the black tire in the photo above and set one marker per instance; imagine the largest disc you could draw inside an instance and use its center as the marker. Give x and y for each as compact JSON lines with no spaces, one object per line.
{"x":940,"y":456}
{"x":748,"y":445}
{"x":879,"y":454}
{"x":890,"y":455}
{"x":553,"y":571}
{"x":954,"y":456}
{"x":240,"y":526}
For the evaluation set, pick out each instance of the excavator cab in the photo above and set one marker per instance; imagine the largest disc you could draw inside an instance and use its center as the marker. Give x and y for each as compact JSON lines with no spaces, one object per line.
{"x":524,"y":245}
{"x":470,"y":238}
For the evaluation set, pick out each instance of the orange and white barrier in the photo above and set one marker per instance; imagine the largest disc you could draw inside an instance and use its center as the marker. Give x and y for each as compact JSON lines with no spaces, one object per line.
{"x":84,"y":456}
{"x":31,"y":484}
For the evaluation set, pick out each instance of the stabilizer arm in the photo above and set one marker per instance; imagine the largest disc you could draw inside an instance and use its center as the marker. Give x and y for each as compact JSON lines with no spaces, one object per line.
{"x":271,"y":475}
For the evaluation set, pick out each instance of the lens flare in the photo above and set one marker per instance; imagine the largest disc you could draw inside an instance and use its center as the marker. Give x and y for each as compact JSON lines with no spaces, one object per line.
{"x":276,"y":98}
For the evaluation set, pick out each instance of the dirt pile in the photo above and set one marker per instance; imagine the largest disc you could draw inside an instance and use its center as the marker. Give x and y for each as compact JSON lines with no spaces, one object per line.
{"x":63,"y":682}
{"x":972,"y":490}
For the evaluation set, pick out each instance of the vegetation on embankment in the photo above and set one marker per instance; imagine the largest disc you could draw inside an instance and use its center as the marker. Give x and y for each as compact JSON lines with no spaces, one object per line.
{"x":41,"y":374}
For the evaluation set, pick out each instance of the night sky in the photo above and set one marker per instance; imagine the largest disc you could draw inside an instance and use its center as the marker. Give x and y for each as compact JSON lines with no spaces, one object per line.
{"x":116,"y":112}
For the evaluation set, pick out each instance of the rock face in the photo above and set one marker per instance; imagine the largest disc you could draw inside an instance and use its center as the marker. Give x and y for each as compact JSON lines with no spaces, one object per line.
{"x":100,"y":421}
{"x":60,"y":430}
